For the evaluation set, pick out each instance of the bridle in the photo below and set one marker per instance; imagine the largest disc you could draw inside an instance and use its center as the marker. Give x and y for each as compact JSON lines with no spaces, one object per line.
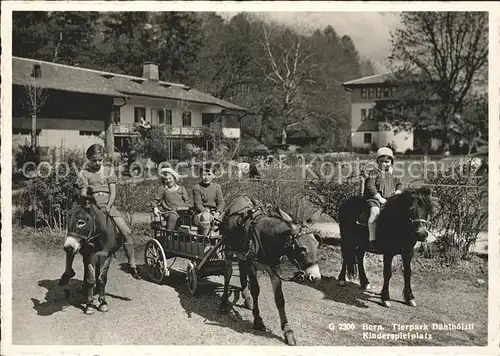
{"x":418,"y":222}
{"x":87,"y":240}
{"x":293,"y":248}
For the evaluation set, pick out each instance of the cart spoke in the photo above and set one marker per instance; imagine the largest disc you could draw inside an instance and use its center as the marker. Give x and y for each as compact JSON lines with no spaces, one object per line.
{"x":153,"y":250}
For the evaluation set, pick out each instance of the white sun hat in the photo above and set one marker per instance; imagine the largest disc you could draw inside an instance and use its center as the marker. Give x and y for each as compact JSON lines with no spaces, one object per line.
{"x":165,"y":170}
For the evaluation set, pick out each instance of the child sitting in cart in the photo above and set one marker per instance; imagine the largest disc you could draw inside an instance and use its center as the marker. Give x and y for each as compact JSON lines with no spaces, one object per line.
{"x":171,"y":199}
{"x":208,"y":200}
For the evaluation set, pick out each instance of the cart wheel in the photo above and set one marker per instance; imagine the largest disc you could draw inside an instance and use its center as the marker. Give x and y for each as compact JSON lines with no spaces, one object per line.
{"x":155,"y":261}
{"x":192,"y":278}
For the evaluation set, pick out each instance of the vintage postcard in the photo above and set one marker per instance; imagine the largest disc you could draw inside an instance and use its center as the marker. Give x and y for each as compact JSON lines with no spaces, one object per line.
{"x":209,"y":177}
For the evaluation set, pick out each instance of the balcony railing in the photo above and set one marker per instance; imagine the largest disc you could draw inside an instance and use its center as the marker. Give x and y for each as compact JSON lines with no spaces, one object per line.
{"x":173,"y":131}
{"x":134,"y":129}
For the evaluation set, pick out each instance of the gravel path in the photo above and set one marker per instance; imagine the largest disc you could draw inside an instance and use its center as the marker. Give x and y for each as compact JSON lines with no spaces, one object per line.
{"x":144,"y":313}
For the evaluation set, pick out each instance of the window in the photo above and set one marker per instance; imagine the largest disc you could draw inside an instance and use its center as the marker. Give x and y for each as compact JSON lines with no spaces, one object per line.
{"x":370,"y":114}
{"x":16,"y":131}
{"x":363,"y":93}
{"x":371,"y":93}
{"x":168,"y":117}
{"x":115,"y":114}
{"x":186,"y":118}
{"x":157,"y":116}
{"x":368,"y":138}
{"x":378,"y":92}
{"x":363,"y":114}
{"x":387,"y":92}
{"x":89,"y":133}
{"x":393,"y":91}
{"x":139,"y":113}
{"x":161,"y":117}
{"x":207,"y":119}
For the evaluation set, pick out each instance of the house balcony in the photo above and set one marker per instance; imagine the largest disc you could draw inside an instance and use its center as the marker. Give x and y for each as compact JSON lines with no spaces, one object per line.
{"x":172,"y":131}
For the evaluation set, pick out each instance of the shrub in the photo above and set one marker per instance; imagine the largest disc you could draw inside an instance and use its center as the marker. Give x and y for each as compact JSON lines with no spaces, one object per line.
{"x":131,"y":198}
{"x":23,"y":154}
{"x":462,"y":211}
{"x":329,"y":195}
{"x":277,"y":186}
{"x":192,"y":151}
{"x":52,"y":189}
{"x":153,"y":144}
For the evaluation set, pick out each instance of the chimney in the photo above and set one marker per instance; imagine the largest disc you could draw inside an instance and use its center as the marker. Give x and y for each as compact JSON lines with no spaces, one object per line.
{"x":37,"y":71}
{"x":150,"y":71}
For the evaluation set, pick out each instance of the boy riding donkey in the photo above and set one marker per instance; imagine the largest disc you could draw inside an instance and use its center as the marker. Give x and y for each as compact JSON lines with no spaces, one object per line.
{"x":98,"y":182}
{"x":380,"y":185}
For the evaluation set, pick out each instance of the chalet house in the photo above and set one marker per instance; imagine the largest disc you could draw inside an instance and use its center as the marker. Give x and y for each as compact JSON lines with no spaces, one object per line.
{"x":83,"y":106}
{"x":366,"y":132}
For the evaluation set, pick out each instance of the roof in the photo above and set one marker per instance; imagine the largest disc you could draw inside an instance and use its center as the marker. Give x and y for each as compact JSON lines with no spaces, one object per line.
{"x":372,"y":79}
{"x":75,"y":79}
{"x":368,"y":125}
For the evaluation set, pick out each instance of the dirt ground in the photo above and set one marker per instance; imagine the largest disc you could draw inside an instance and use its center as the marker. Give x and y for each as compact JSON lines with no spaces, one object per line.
{"x":144,"y":313}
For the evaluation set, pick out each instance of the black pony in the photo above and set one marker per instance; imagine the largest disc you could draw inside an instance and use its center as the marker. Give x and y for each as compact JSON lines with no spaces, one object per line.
{"x":260,"y":239}
{"x":95,"y":236}
{"x":402,"y":222}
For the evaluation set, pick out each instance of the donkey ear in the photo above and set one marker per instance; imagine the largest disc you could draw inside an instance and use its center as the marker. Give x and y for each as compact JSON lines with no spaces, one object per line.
{"x":285,"y":216}
{"x":426,"y":190}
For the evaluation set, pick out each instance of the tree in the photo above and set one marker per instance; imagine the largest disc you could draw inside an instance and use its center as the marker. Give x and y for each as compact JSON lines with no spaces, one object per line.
{"x":33,"y":101}
{"x":367,"y":68}
{"x":73,"y":37}
{"x":288,"y":65}
{"x":30,"y":34}
{"x":441,"y":58}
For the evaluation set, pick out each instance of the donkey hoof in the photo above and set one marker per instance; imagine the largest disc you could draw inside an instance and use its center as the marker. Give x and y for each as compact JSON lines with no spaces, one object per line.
{"x":290,"y":338}
{"x":89,"y":310}
{"x":411,"y":303}
{"x":386,"y":303}
{"x":103,"y":307}
{"x":224,"y":309}
{"x":342,"y":283}
{"x":259,"y":325}
{"x":366,"y":287}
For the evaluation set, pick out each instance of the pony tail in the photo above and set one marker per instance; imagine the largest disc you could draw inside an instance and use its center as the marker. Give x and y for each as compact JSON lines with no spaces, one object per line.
{"x":349,"y":256}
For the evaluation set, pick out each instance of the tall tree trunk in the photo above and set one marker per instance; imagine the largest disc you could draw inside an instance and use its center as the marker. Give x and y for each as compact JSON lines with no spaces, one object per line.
{"x":283,"y":135}
{"x":56,"y":48}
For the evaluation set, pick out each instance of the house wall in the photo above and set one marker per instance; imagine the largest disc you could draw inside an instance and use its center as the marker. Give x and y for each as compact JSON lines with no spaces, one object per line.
{"x":358,"y":139}
{"x":403,"y":140}
{"x":73,"y":120}
{"x":356,"y":109}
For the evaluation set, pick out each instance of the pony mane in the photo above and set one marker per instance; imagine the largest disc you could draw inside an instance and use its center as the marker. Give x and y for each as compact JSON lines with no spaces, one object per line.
{"x":422,"y":195}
